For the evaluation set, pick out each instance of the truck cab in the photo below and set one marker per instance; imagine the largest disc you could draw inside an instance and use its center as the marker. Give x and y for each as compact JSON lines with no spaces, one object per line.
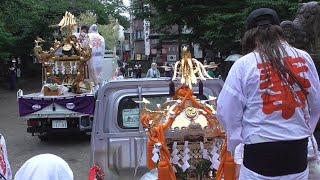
{"x":118,"y":141}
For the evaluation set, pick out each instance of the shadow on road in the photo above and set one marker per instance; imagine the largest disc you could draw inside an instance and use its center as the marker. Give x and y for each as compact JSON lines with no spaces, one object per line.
{"x":60,"y":139}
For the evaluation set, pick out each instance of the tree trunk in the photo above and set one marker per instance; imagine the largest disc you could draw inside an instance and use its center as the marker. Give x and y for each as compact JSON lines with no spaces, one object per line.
{"x":179,"y":41}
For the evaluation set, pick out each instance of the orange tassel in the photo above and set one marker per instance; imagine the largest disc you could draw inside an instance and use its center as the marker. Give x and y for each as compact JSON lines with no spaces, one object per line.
{"x":227,"y":168}
{"x":165,"y":171}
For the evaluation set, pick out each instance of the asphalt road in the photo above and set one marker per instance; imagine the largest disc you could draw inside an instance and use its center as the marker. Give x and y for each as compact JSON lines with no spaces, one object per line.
{"x":22,"y":146}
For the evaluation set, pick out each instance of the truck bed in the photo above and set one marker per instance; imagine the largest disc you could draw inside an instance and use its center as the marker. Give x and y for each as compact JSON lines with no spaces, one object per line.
{"x":36,"y":105}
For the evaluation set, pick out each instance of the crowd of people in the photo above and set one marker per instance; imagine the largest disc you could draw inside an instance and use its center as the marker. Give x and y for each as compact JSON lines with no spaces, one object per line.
{"x":153,"y":72}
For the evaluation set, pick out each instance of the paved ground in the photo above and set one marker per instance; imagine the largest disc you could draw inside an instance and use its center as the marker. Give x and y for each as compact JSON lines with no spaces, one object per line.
{"x":22,"y":146}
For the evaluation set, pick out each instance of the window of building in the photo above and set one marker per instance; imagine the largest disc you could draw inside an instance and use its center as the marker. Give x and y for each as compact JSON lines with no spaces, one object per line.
{"x":138,"y":57}
{"x":155,"y":41}
{"x":139,"y":35}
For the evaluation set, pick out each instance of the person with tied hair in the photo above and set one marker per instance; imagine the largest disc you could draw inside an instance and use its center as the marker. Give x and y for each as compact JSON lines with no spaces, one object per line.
{"x":270,"y":102}
{"x":138,"y":70}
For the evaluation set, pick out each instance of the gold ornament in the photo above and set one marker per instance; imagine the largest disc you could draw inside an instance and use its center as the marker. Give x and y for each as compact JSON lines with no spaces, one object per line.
{"x":189,"y":69}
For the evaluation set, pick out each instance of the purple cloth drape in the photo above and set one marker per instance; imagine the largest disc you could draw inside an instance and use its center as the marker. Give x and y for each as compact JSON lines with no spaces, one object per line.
{"x":81,"y":104}
{"x":29,"y":106}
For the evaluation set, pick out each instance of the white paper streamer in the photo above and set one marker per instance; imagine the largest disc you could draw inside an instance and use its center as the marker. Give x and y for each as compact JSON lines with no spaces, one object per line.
{"x":174,"y":155}
{"x":185,"y":157}
{"x":214,"y":159}
{"x":205,"y":154}
{"x":156,"y":152}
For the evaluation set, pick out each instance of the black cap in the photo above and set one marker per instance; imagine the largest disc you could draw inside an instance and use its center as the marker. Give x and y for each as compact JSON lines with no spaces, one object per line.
{"x":262,"y":17}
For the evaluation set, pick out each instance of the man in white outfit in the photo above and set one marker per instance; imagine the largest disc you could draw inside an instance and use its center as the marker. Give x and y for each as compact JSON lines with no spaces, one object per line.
{"x":270,"y":102}
{"x":97,"y":69}
{"x":153,"y":72}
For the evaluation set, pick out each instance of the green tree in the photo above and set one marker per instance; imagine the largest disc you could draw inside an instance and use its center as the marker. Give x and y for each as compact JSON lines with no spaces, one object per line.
{"x":7,"y":40}
{"x":116,"y":9}
{"x":107,"y":31}
{"x":24,"y":20}
{"x":110,"y":34}
{"x":87,"y":19}
{"x":215,"y":24}
{"x":226,"y":23}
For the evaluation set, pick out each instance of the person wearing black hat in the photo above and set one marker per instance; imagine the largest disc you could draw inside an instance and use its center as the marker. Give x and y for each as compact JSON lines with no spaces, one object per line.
{"x":138,"y":70}
{"x":270,"y":102}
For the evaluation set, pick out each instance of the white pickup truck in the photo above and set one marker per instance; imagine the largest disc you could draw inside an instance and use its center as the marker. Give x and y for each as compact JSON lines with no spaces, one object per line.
{"x":118,"y":141}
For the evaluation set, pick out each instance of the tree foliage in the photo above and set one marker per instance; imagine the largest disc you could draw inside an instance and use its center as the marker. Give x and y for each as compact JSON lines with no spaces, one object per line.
{"x":108,"y":32}
{"x":87,"y":19}
{"x":115,"y":10}
{"x":217,"y":24}
{"x":21,"y":21}
{"x":7,"y":40}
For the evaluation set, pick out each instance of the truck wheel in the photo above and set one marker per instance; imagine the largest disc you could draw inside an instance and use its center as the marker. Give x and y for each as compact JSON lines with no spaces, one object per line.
{"x":43,"y":137}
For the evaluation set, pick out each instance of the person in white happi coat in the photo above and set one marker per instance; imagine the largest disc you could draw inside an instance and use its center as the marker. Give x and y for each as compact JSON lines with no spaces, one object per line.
{"x":270,"y":102}
{"x":5,"y":169}
{"x":97,"y":67}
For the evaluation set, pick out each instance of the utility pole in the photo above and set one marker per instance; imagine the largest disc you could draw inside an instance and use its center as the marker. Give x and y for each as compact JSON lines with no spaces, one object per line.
{"x":179,"y":41}
{"x":131,"y":29}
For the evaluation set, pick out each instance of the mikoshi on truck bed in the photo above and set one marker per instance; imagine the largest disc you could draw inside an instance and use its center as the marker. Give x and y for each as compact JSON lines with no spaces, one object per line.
{"x":66,"y":100}
{"x":65,"y":63}
{"x":185,"y":140}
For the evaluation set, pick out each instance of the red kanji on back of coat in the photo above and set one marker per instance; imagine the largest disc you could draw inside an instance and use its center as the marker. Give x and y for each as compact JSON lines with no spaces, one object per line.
{"x":278,"y":95}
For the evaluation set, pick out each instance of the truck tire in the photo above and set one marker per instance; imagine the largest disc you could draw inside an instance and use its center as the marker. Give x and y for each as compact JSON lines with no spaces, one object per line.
{"x":43,"y":137}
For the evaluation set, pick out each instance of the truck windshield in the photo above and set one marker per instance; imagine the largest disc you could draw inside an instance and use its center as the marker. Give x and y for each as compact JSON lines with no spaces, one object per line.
{"x":129,"y":112}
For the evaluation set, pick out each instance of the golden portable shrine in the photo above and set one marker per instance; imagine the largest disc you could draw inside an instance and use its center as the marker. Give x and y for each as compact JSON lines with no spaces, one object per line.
{"x":65,"y":63}
{"x":185,"y":140}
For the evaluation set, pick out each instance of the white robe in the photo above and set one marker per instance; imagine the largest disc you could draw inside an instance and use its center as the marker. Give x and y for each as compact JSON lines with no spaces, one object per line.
{"x":44,"y":167}
{"x":97,"y":65}
{"x":5,"y":168}
{"x":242,"y":112}
{"x":313,"y":163}
{"x":313,"y":160}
